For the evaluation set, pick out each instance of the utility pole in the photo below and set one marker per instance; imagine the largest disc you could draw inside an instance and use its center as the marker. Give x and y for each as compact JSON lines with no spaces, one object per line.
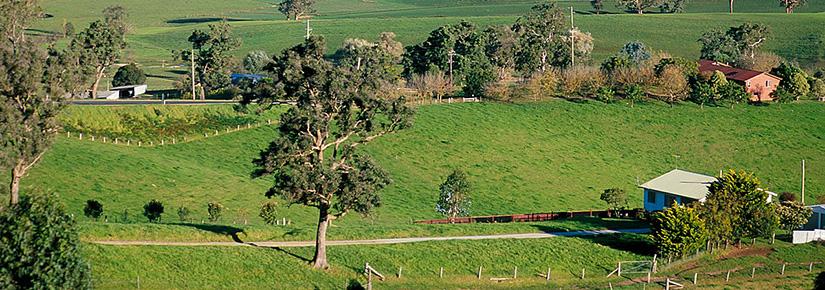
{"x":572,"y":40}
{"x":308,"y":29}
{"x":450,"y":61}
{"x":803,"y":181}
{"x":192,"y":60}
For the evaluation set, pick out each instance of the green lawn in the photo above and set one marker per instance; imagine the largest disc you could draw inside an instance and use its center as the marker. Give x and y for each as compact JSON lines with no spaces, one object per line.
{"x":521,"y":158}
{"x":255,"y":268}
{"x":156,"y":30}
{"x":251,"y":268}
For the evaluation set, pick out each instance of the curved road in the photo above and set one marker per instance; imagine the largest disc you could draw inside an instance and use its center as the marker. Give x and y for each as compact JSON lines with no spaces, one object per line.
{"x":376,"y":241}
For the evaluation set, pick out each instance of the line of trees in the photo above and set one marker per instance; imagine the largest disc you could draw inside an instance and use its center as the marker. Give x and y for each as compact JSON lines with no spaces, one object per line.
{"x":735,"y":209}
{"x":676,"y":6}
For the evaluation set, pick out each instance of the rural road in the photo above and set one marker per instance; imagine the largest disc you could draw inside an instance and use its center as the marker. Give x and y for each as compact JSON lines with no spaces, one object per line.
{"x":376,"y":241}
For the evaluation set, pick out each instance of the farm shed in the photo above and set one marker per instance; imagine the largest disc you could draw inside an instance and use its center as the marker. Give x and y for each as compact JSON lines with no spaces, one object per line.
{"x":682,"y":187}
{"x":759,"y":85}
{"x":130,"y":91}
{"x":817,"y":220}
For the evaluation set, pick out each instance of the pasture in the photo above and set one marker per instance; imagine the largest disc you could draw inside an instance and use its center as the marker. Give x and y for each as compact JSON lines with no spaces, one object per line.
{"x":521,"y":158}
{"x":157,"y":31}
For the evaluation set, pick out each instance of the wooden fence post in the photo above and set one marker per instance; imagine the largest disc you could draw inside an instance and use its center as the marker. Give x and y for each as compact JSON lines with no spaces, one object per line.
{"x":783,"y":269}
{"x":399,"y":271}
{"x":515,"y":272}
{"x":695,"y":276}
{"x":479,"y":272}
{"x":548,"y":274}
{"x":811,"y":267}
{"x":727,"y":277}
{"x":648,"y":277}
{"x":753,"y":272}
{"x":441,"y":273}
{"x":582,"y":273}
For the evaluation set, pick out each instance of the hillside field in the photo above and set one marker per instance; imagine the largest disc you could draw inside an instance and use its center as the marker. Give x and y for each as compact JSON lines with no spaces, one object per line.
{"x":157,"y":31}
{"x":521,"y":158}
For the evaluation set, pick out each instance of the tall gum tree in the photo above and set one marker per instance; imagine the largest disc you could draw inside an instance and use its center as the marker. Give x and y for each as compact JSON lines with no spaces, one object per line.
{"x":314,"y":160}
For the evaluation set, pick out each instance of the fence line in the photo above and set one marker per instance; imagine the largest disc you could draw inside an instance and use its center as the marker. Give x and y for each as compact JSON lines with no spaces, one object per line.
{"x":167,"y":141}
{"x":532,"y":217}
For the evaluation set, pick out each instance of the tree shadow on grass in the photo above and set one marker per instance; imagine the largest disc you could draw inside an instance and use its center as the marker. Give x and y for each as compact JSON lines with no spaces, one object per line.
{"x":203,"y":20}
{"x":578,"y":223}
{"x":218,"y":229}
{"x":634,"y":243}
{"x":294,"y":255}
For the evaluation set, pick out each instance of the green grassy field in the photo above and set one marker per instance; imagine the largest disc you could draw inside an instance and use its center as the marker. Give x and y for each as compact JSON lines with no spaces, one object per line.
{"x":156,"y":30}
{"x":521,"y":158}
{"x":253,"y":268}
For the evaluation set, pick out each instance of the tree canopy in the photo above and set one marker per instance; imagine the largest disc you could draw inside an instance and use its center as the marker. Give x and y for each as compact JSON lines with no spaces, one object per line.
{"x":729,"y":45}
{"x":678,"y":230}
{"x":100,"y":45}
{"x":736,"y":207}
{"x":212,"y":55}
{"x":129,"y":75}
{"x":314,"y":160}
{"x":295,"y":9}
{"x":454,"y":195}
{"x":541,"y":39}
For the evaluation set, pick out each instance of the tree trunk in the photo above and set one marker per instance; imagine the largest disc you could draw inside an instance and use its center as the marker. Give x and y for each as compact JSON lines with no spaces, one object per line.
{"x":14,"y":186}
{"x":320,"y":259}
{"x":98,"y":76}
{"x":731,"y":6}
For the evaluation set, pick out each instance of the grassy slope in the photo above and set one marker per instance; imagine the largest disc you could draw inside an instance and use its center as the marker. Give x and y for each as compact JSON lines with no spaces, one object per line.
{"x":521,"y":158}
{"x":250,"y":268}
{"x":157,"y":30}
{"x":247,"y":268}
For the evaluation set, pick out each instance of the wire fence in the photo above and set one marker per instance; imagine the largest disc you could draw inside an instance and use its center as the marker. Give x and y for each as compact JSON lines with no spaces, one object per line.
{"x":165,"y":140}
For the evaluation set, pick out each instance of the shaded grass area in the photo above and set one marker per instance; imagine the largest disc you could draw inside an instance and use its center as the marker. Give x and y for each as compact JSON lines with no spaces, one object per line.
{"x":520,"y":158}
{"x":247,"y":267}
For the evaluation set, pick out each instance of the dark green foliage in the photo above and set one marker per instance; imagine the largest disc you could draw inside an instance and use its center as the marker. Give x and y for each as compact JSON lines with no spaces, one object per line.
{"x":462,"y":40}
{"x":672,"y":6}
{"x":32,"y":83}
{"x":296,"y":8}
{"x":213,"y":55}
{"x":541,"y":39}
{"x":736,"y":208}
{"x":183,"y":214}
{"x":819,"y":283}
{"x":500,"y":47}
{"x":637,"y":6}
{"x":39,"y":247}
{"x":382,"y":57}
{"x":728,"y":46}
{"x":732,"y":93}
{"x":606,"y":94}
{"x":93,"y":209}
{"x":100,"y":45}
{"x":129,"y":75}
{"x":702,"y":93}
{"x":454,"y":195}
{"x":792,"y":215}
{"x":818,"y":89}
{"x":634,"y":93}
{"x":678,"y":231}
{"x":689,"y":67}
{"x":597,"y":5}
{"x":153,"y":210}
{"x":787,"y":196}
{"x":269,"y":212}
{"x":616,"y":198}
{"x":215,"y":211}
{"x":313,"y":161}
{"x":615,"y":62}
{"x":478,"y":74}
{"x":794,"y":82}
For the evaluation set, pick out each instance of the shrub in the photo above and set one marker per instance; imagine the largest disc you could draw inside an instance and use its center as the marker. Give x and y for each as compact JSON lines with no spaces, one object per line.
{"x":581,"y":81}
{"x":643,"y":76}
{"x":678,"y":230}
{"x":818,"y":89}
{"x":792,"y":215}
{"x":269,"y":211}
{"x":787,"y":196}
{"x":454,"y":195}
{"x":153,"y":210}
{"x":215,"y":210}
{"x":673,"y":83}
{"x":39,"y":246}
{"x":93,"y":209}
{"x":477,"y":76}
{"x":761,"y":61}
{"x":543,"y":85}
{"x":183,"y":213}
{"x":255,"y":61}
{"x":499,"y":91}
{"x":636,"y":52}
{"x":633,"y":93}
{"x":616,"y":198}
{"x":605,"y":94}
{"x":129,"y":75}
{"x":430,"y":85}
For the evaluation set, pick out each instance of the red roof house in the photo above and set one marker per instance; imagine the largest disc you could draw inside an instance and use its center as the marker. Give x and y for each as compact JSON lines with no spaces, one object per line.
{"x":760,"y":85}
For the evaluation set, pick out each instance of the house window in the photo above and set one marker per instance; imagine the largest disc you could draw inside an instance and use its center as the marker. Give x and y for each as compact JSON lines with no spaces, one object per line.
{"x":669,"y":199}
{"x":767,"y":84}
{"x":651,"y":196}
{"x":748,"y":84}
